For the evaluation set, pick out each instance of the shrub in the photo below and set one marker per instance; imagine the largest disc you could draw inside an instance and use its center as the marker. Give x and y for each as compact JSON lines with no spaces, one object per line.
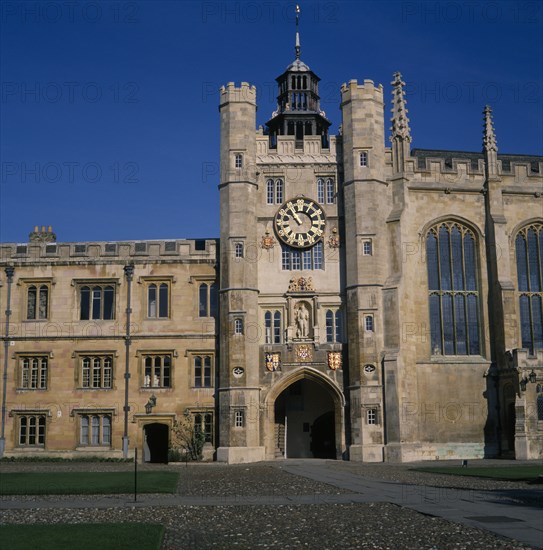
{"x":187,"y":439}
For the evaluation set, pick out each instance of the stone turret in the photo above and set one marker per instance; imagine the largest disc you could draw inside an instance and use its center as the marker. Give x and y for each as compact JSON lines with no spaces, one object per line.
{"x":238,"y":381}
{"x":365,"y":203}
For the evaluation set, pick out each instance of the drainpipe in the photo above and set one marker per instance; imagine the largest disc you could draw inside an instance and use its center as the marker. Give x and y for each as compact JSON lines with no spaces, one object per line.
{"x":9,"y":274}
{"x":129,"y":272}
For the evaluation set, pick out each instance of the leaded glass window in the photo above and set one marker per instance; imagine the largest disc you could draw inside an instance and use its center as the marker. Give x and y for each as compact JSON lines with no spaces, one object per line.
{"x":320,"y":190}
{"x":97,"y":302}
{"x":453,"y":290}
{"x":203,"y":371}
{"x":157,"y":300}
{"x":274,"y":191}
{"x":157,"y":373}
{"x":95,"y":429}
{"x":529,"y":255}
{"x":32,"y":430}
{"x":37,"y":305}
{"x":295,"y":259}
{"x":208,"y":300}
{"x":97,"y":372}
{"x":330,"y":191}
{"x":33,"y":373}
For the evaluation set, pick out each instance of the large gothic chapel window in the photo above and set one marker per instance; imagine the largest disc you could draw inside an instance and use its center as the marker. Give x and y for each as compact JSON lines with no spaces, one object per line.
{"x":453,"y":290}
{"x":529,"y":252}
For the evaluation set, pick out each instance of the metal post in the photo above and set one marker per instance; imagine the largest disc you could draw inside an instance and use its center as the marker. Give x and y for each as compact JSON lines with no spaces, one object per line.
{"x":286,"y":433}
{"x":129,"y":272}
{"x":9,"y":274}
{"x":135,"y":474}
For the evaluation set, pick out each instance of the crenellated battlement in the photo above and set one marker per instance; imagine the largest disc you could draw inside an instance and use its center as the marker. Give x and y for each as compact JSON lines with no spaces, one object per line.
{"x":157,"y":251}
{"x":239,"y":94}
{"x":312,"y":151}
{"x":368,"y":90}
{"x":462,"y":166}
{"x":522,"y":359}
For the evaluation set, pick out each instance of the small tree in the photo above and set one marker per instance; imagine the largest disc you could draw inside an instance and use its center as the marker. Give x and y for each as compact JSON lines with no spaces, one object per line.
{"x":187,"y":437}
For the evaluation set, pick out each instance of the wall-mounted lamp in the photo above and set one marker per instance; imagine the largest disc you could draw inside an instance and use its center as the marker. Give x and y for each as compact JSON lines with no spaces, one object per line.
{"x":532,"y":377}
{"x":150,"y":404}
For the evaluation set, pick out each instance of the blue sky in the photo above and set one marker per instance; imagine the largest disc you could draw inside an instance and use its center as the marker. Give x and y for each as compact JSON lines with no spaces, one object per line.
{"x":109,"y":124}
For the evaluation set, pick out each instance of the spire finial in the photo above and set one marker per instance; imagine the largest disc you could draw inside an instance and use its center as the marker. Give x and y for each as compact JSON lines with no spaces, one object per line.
{"x":297,"y":47}
{"x":400,"y":123}
{"x":489,"y":136}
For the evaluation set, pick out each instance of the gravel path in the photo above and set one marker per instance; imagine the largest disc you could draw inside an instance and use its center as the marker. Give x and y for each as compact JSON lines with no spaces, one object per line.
{"x":343,"y":526}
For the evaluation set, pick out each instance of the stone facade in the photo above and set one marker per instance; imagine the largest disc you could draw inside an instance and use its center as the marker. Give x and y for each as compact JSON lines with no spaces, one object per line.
{"x":168,"y":333}
{"x":374,"y":302}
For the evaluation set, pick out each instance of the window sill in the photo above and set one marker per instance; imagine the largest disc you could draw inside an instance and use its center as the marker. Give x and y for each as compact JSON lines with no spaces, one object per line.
{"x":158,"y":318}
{"x":94,"y":448}
{"x":454,"y":359}
{"x":24,"y":390}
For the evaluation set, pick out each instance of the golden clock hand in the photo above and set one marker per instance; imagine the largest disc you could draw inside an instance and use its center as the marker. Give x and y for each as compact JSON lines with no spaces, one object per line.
{"x":295,"y":216}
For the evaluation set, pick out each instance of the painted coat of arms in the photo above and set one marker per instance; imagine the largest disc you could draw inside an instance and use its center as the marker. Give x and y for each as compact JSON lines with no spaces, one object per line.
{"x":303,"y":352}
{"x":273,"y":361}
{"x":267,"y":241}
{"x":334,"y":360}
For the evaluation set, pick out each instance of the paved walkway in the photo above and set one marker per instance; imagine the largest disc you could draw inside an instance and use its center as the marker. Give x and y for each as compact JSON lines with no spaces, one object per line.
{"x":497,"y":511}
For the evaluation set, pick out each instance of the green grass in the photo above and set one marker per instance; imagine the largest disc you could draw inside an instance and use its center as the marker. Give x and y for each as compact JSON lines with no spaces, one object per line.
{"x":63,"y":459}
{"x":83,"y":536}
{"x":86,"y":483}
{"x":507,"y":473}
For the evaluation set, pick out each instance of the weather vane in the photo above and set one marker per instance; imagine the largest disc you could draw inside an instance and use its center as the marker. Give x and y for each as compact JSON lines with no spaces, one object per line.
{"x":297,"y":48}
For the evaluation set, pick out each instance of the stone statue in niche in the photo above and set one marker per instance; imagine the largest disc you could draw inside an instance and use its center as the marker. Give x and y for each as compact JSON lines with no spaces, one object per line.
{"x":302,"y":321}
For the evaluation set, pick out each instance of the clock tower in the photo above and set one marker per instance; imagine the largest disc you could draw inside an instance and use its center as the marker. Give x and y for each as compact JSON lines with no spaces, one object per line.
{"x":283,"y":355}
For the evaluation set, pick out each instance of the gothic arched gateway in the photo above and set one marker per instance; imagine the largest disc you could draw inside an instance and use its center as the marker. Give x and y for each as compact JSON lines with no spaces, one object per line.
{"x":304,"y":417}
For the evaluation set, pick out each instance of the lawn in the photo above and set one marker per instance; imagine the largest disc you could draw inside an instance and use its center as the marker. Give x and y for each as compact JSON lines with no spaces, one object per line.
{"x":83,"y":536}
{"x":86,"y":483}
{"x":507,"y":473}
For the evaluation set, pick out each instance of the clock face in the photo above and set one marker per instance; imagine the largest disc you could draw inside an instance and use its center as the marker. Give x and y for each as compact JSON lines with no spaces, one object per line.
{"x":300,"y":222}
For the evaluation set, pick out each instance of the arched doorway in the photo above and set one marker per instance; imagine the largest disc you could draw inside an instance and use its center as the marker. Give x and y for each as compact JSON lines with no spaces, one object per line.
{"x":305,"y":420}
{"x":155,"y":443}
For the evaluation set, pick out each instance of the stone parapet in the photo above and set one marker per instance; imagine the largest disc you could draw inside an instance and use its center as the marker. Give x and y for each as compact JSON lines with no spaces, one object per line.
{"x":245,"y":93}
{"x":161,"y":251}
